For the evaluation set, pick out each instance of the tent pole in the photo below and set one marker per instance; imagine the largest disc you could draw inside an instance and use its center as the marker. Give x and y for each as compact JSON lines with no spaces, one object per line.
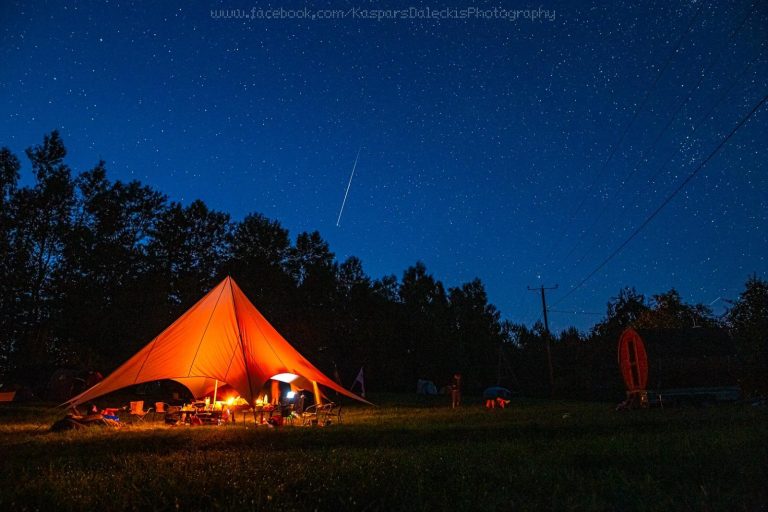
{"x":316,"y":391}
{"x":215,"y":390}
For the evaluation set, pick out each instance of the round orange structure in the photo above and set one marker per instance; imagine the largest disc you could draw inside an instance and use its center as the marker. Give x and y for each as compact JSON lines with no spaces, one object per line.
{"x":633,"y":360}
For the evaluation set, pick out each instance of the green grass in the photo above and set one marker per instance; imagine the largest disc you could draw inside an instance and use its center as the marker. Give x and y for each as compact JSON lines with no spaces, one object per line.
{"x":406,"y":454}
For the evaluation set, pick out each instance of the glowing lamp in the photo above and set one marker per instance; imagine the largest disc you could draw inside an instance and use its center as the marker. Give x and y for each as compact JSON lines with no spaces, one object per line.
{"x":290,"y":395}
{"x":285,"y":377}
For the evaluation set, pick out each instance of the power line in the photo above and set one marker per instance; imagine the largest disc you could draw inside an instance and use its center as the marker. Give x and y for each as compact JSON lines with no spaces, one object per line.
{"x":703,"y":74}
{"x":650,"y":149}
{"x":574,"y":312}
{"x":706,"y":115}
{"x":696,"y":125}
{"x":667,"y":200}
{"x":640,"y":106}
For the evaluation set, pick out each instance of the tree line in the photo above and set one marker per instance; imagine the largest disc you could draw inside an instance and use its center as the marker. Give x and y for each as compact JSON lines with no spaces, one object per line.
{"x":91,"y":269}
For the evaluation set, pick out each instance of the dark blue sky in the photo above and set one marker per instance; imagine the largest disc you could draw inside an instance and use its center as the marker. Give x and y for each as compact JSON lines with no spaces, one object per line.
{"x":490,"y":147}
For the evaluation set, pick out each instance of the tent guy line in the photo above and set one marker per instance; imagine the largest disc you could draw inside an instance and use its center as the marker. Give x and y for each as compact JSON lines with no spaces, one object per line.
{"x":346,"y":192}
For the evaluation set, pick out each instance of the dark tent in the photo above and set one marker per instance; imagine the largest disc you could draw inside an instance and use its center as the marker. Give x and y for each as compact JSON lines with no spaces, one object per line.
{"x":67,"y":382}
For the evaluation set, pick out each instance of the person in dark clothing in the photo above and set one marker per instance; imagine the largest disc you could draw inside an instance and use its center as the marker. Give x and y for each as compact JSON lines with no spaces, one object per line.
{"x":456,"y":390}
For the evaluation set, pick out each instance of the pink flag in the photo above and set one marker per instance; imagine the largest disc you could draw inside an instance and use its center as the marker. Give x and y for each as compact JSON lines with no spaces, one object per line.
{"x":360,"y":379}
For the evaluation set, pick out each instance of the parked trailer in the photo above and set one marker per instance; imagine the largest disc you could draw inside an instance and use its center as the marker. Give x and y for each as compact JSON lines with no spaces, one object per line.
{"x":694,"y":396}
{"x":678,"y":366}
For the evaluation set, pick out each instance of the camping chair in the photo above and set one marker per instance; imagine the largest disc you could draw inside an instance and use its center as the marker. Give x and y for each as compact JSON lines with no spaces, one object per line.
{"x":318,"y":414}
{"x":327,"y":411}
{"x":309,"y":415}
{"x":138,"y":411}
{"x":161,"y":408}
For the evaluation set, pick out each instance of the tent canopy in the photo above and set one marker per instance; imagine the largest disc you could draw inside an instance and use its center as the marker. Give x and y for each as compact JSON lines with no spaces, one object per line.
{"x":222,"y":338}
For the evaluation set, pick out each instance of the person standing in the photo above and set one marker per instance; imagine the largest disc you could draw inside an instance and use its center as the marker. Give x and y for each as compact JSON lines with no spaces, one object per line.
{"x":456,"y":390}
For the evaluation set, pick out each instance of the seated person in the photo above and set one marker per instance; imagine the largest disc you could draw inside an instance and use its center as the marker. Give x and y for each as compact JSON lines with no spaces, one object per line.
{"x":95,"y":413}
{"x":113,"y":417}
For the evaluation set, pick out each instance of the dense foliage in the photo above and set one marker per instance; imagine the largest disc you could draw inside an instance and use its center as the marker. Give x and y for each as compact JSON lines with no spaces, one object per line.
{"x":91,"y":269}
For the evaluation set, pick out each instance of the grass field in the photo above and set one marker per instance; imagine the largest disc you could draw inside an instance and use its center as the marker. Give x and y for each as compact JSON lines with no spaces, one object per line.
{"x":405,"y":454}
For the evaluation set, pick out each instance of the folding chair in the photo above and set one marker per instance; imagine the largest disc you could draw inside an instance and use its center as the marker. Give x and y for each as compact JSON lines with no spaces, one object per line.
{"x":327,"y":411}
{"x":138,"y":411}
{"x":309,"y":415}
{"x":318,"y":414}
{"x":161,"y":408}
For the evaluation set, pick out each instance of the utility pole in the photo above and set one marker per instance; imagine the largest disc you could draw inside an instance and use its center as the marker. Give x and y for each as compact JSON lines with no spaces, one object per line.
{"x":547,"y":335}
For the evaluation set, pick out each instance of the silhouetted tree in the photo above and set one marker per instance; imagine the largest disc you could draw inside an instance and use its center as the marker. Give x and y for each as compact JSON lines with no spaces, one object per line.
{"x":621,"y":312}
{"x":354,"y":329}
{"x":9,"y":284}
{"x":311,"y":264}
{"x":476,"y":334}
{"x":103,"y":277}
{"x":188,"y":248}
{"x":90,"y":270}
{"x":668,"y":311}
{"x":386,"y":337}
{"x":260,"y":251}
{"x":571,"y":354}
{"x":426,"y":352}
{"x":748,"y":322}
{"x":42,"y":220}
{"x":529,"y":358}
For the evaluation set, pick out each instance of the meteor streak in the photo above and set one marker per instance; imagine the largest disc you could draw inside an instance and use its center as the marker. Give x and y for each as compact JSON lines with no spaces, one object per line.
{"x":352,"y":175}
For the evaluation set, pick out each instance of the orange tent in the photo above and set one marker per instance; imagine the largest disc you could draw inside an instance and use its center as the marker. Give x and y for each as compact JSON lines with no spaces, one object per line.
{"x":222,"y":338}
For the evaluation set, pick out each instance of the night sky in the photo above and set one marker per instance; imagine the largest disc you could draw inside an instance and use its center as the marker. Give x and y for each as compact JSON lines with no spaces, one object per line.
{"x":519,"y":151}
